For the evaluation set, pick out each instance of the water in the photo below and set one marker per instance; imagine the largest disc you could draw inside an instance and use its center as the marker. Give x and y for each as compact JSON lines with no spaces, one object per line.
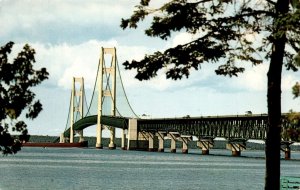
{"x":73,"y":168}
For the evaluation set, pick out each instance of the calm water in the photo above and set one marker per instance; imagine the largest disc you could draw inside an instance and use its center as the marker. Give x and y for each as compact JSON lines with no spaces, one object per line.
{"x":53,"y":168}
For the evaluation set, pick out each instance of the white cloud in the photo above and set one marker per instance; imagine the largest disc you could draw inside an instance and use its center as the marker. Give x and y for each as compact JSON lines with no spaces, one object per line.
{"x":34,"y":12}
{"x":60,"y":21}
{"x":181,"y":38}
{"x":288,"y":81}
{"x":253,"y":79}
{"x":64,"y":61}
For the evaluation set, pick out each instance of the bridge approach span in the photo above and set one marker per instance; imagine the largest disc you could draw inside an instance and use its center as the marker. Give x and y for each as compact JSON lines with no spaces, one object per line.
{"x":230,"y":127}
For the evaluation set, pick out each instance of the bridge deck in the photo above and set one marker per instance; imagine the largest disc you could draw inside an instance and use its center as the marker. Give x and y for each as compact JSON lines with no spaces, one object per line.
{"x":231,"y":126}
{"x":119,"y":122}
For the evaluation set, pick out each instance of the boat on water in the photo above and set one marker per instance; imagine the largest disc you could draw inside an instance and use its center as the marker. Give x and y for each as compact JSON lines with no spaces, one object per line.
{"x":59,"y":145}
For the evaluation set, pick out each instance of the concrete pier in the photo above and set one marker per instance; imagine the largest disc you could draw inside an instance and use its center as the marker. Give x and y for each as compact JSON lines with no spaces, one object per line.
{"x":173,"y":136}
{"x":112,"y":144}
{"x":205,"y":144}
{"x":123,"y":140}
{"x":286,"y":148}
{"x":161,"y":136}
{"x":136,"y":140}
{"x":152,"y":142}
{"x":132,"y":135}
{"x":287,"y":153}
{"x":236,"y":146}
{"x":185,"y":140}
{"x":81,"y":138}
{"x":62,"y":138}
{"x":99,"y":137}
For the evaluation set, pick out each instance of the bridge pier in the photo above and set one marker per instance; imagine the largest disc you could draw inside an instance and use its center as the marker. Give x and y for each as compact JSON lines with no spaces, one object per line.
{"x":185,"y":140}
{"x":287,"y":153}
{"x":173,"y":136}
{"x":132,"y":135}
{"x":112,"y":144}
{"x":80,"y":132}
{"x":205,"y":144}
{"x":285,"y":147}
{"x":236,"y":146}
{"x":152,"y":142}
{"x":99,"y":137}
{"x":123,"y":139}
{"x":161,"y":136}
{"x":136,"y":140}
{"x":62,"y":138}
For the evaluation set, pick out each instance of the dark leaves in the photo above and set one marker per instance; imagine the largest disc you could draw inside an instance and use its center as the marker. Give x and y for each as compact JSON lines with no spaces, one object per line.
{"x":179,"y":16}
{"x":138,"y":15}
{"x":296,"y":90}
{"x":229,"y":70}
{"x":34,"y":110}
{"x":6,"y":49}
{"x":145,"y":2}
{"x":16,"y":80}
{"x":221,"y":34}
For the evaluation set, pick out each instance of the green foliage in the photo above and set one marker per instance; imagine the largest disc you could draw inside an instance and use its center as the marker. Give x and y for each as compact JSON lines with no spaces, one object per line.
{"x":296,"y":90}
{"x":295,"y":4}
{"x":16,"y":80}
{"x":226,"y":32}
{"x":292,"y":133}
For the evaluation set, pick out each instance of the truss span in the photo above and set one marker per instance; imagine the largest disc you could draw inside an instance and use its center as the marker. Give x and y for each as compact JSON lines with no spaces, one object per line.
{"x":247,"y":127}
{"x":229,"y":127}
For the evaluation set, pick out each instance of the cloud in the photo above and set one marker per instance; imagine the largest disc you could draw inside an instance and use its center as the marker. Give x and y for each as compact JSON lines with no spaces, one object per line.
{"x":62,"y":21}
{"x":253,"y":79}
{"x":182,"y":38}
{"x":64,"y":61}
{"x":288,"y":80}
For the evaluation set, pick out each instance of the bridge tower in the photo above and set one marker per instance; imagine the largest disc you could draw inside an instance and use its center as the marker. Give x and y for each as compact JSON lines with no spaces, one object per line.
{"x":76,"y":109}
{"x":103,"y":71}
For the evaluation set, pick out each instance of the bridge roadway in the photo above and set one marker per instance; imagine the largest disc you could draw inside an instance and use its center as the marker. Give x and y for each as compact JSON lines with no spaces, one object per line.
{"x":230,"y":127}
{"x":143,"y":133}
{"x":118,"y":122}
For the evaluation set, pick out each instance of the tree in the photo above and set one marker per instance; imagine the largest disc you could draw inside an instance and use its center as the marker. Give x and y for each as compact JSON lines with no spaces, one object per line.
{"x":296,"y":90}
{"x":16,"y":80}
{"x":292,"y":133}
{"x":223,"y":28}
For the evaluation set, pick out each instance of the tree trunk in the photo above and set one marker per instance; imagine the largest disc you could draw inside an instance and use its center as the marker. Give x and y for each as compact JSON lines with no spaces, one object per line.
{"x":272,"y":175}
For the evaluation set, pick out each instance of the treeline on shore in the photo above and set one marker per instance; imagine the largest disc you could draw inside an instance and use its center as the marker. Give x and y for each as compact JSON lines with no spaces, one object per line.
{"x":219,"y":144}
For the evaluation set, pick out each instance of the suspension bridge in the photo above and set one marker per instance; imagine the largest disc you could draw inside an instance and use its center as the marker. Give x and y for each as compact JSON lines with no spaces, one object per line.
{"x":109,"y":108}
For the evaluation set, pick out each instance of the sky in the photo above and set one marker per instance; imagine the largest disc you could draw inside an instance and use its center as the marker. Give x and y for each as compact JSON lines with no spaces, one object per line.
{"x":67,"y":36}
